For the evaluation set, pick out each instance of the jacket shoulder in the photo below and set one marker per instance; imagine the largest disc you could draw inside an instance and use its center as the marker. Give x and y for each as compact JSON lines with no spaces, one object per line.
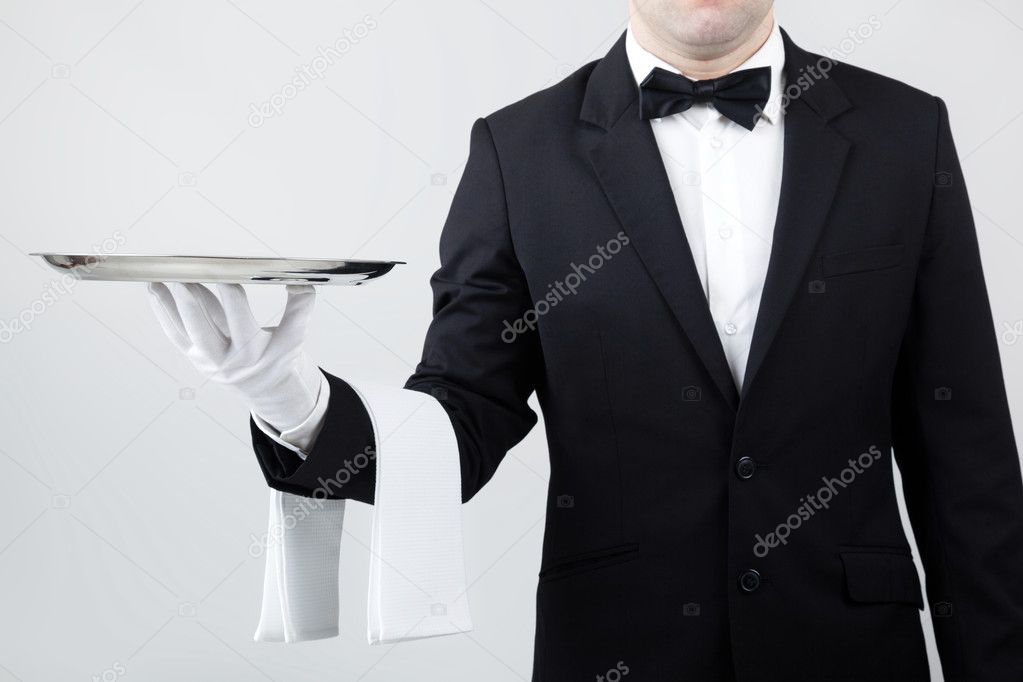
{"x":871,"y":91}
{"x":545,"y":109}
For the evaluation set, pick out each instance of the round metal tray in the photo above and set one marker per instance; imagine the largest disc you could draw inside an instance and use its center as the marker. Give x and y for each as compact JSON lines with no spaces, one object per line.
{"x":217,"y":269}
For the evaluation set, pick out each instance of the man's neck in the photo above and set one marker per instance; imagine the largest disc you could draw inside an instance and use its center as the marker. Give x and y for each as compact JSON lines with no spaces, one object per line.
{"x":698,"y":62}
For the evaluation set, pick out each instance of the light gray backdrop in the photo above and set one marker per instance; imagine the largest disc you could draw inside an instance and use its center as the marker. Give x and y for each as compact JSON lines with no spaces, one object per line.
{"x":131,"y":507}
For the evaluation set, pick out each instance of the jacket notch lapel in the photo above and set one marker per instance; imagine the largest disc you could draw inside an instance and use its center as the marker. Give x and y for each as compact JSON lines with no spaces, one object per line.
{"x":630,"y":169}
{"x":814,"y":160}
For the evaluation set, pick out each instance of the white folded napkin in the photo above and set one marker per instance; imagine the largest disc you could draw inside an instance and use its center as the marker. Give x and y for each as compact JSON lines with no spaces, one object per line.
{"x":300,"y":583}
{"x":417,"y":584}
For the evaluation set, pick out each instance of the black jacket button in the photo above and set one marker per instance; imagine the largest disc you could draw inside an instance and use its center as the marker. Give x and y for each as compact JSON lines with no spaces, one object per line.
{"x":749,"y":581}
{"x":745,"y":468}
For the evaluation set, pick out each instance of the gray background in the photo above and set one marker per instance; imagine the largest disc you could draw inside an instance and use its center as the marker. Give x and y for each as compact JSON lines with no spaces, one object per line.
{"x":129,"y":507}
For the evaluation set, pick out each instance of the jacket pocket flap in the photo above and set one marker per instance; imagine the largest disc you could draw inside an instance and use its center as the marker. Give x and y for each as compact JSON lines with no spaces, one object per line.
{"x":862,"y":260}
{"x":873,"y":576}
{"x":581,"y":563}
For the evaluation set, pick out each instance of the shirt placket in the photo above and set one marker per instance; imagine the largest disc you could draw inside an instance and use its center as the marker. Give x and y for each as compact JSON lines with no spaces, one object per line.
{"x":727,"y":277}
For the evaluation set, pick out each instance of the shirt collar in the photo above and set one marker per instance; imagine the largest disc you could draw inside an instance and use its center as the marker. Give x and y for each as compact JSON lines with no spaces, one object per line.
{"x":771,"y":53}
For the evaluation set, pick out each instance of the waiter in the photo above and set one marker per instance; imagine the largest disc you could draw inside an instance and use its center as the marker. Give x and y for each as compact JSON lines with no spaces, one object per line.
{"x":739,"y":278}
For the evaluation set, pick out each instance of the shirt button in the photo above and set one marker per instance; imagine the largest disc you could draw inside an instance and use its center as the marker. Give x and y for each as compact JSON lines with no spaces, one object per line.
{"x":731,"y":329}
{"x":725,"y":233}
{"x":745,"y":468}
{"x":749,"y":581}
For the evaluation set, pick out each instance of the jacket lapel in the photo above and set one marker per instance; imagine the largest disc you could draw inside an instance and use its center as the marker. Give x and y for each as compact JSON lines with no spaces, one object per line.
{"x":628,"y":164}
{"x":815,"y":155}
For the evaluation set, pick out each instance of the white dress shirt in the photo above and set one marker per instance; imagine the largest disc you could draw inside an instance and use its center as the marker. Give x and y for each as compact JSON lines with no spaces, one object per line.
{"x":726,"y":182}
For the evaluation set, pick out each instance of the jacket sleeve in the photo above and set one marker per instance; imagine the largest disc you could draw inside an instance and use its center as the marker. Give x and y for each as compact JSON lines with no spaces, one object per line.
{"x":340,"y":466}
{"x":954,"y":443}
{"x":481,"y":374}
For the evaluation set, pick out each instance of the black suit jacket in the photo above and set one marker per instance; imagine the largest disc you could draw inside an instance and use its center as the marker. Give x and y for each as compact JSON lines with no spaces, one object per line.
{"x":695,"y":532}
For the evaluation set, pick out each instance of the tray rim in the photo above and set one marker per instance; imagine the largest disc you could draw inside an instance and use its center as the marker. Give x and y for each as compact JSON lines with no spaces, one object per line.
{"x":320,"y":259}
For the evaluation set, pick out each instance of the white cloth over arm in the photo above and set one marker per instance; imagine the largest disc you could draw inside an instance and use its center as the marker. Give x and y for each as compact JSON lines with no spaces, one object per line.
{"x":417,"y":584}
{"x":300,"y":585}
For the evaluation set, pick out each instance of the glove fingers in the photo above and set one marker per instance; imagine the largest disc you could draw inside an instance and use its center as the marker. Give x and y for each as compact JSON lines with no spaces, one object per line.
{"x":203,"y":332}
{"x":241,"y":324}
{"x":299,"y":308}
{"x":166,"y":312}
{"x":211,"y":305}
{"x":287,"y":337}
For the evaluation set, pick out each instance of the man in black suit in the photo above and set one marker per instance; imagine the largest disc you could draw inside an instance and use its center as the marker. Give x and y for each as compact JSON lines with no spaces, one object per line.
{"x":736,"y":292}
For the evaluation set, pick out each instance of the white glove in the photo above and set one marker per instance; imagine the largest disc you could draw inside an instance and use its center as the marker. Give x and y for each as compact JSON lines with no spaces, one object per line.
{"x":267,"y":366}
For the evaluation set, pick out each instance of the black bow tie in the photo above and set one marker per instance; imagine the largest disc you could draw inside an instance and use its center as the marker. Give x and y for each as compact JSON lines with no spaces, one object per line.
{"x":741,"y":95}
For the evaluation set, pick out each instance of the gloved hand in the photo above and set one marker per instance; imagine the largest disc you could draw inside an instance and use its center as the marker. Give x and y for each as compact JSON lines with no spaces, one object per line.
{"x":267,"y":366}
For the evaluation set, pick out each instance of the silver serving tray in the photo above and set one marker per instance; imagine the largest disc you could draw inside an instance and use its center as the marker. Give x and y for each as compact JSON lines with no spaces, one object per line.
{"x":217,"y":269}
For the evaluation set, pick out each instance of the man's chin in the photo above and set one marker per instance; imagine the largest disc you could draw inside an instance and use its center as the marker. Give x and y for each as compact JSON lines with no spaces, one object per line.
{"x":712,"y":23}
{"x":706,"y":28}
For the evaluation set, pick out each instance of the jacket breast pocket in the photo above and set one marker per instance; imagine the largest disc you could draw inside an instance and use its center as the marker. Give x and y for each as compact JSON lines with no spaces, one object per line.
{"x":881,"y":575}
{"x":583,"y":563}
{"x":862,"y":260}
